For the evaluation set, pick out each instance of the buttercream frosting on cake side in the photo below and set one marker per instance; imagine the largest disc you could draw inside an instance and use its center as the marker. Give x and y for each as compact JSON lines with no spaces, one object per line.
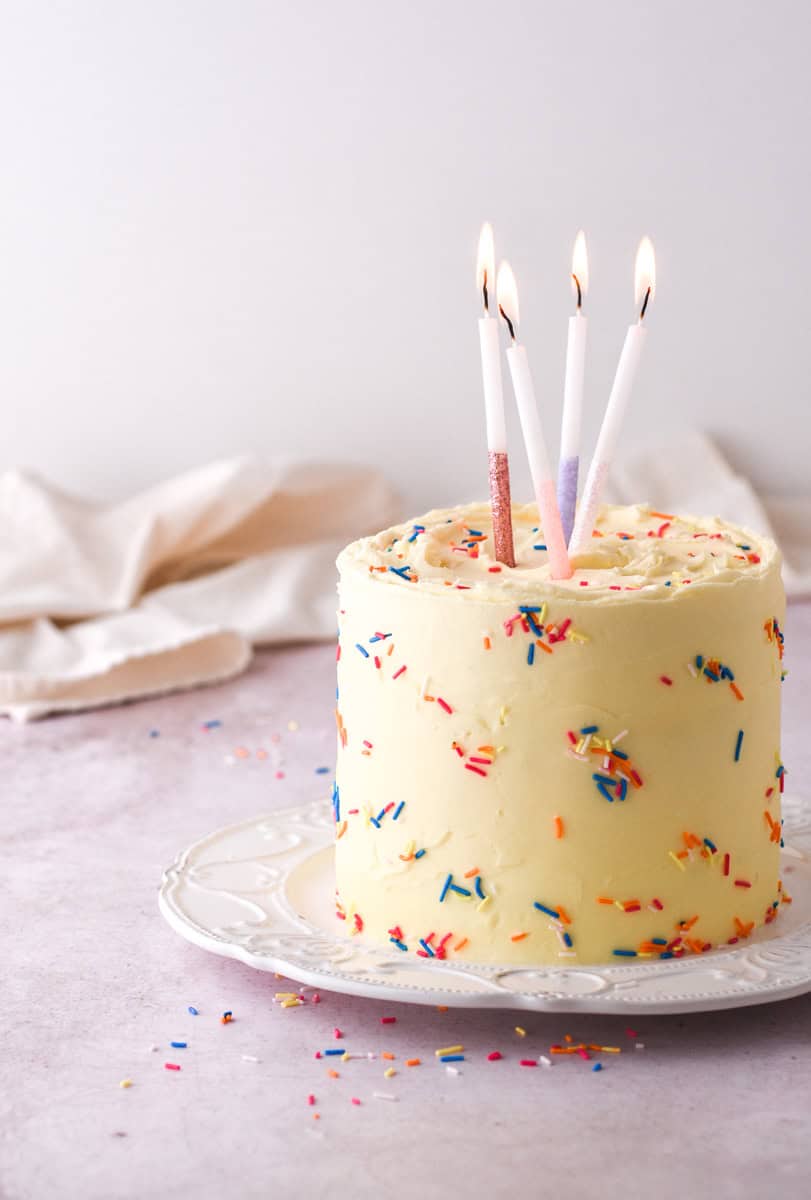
{"x":532,"y":770}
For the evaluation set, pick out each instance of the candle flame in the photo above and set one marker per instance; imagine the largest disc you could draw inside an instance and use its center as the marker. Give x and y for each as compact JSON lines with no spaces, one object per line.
{"x":486,"y":263}
{"x":644,"y":275}
{"x":580,"y":268}
{"x":507,"y":294}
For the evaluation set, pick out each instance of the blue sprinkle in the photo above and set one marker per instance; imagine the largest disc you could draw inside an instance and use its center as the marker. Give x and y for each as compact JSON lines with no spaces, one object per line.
{"x":336,"y":801}
{"x":603,"y":790}
{"x":400,"y":945}
{"x":381,"y":814}
{"x":452,"y":1058}
{"x":597,"y":1067}
{"x":531,"y":653}
{"x":699,"y":661}
{"x":529,"y":608}
{"x":666,"y":954}
{"x":154,"y":733}
{"x":533,"y":624}
{"x":604,"y":779}
{"x":398,"y":810}
{"x":178,"y":1045}
{"x":460,"y":890}
{"x":550,"y":912}
{"x":401,"y":571}
{"x":738,"y":745}
{"x":427,"y":948}
{"x":567,"y":938}
{"x":479,"y":891}
{"x":623,"y":792}
{"x":193,"y":1011}
{"x":445,"y":888}
{"x":212,"y":724}
{"x":475,"y":532}
{"x":659,"y":941}
{"x":329,"y":1053}
{"x":540,"y":546}
{"x":624,"y":953}
{"x":711,"y":675}
{"x":619,"y":753}
{"x":419,"y":854}
{"x":668,"y":584}
{"x":711,"y":845}
{"x":362,"y":649}
{"x":322,"y":770}
{"x":375,"y":822}
{"x":589,"y":728}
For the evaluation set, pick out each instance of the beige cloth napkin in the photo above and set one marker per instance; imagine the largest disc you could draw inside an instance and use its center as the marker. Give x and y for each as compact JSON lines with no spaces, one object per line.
{"x":170,"y":588}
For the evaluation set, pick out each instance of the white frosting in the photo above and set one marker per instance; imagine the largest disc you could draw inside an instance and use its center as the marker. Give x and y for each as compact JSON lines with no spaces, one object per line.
{"x":473,"y":738}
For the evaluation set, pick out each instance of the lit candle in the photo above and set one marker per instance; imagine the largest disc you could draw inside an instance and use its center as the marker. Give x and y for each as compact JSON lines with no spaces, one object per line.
{"x":644,"y":287}
{"x":497,"y":460}
{"x":543,"y":481}
{"x":569,"y":465}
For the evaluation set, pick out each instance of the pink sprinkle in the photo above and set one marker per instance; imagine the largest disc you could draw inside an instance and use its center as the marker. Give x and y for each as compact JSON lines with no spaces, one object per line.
{"x":494,"y":1056}
{"x":172,"y":1066}
{"x":317,"y":1054}
{"x":444,"y":704}
{"x":528,"y":1062}
{"x":336,"y":1033}
{"x":388,"y":1020}
{"x":657,"y":904}
{"x":478,"y":770}
{"x":280,"y":774}
{"x":355,"y":1100}
{"x":632,"y":1033}
{"x":311,"y":1099}
{"x":397,"y":674}
{"x":584,"y":1054}
{"x":316,"y":999}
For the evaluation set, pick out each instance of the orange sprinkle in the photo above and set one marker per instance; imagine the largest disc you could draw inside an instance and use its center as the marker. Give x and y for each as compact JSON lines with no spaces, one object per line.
{"x":412,"y":1062}
{"x":486,"y":749}
{"x":429,"y":698}
{"x":518,"y":937}
{"x":602,"y":900}
{"x":663,"y":516}
{"x":565,"y":919}
{"x":558,"y":824}
{"x":442,"y":1008}
{"x":341,"y":830}
{"x":461,"y":945}
{"x":543,"y":646}
{"x":487,"y":643}
{"x":387,"y":1055}
{"x":333,"y":1074}
{"x":473,"y":871}
{"x":684,"y":926}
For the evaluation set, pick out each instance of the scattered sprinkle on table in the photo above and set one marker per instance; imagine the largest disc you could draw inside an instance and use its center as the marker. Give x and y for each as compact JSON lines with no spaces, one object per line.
{"x":193,"y":1011}
{"x":494,"y":1056}
{"x":388,"y":1020}
{"x":413,"y":1062}
{"x":125,"y":1083}
{"x":178,"y":1045}
{"x":172,"y":1066}
{"x":521,"y":1032}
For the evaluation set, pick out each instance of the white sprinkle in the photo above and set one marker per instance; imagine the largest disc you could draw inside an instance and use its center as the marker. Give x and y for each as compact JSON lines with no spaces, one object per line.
{"x":567,"y":954}
{"x":619,"y":736}
{"x":383,"y":1096}
{"x":370,"y":1054}
{"x":249,"y":1058}
{"x":229,"y":760}
{"x":453,"y":1070}
{"x":692,"y":670}
{"x":544,"y":1061}
{"x":639,"y":1046}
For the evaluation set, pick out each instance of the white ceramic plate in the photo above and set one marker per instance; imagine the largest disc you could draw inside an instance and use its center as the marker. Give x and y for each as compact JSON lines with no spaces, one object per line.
{"x":263,"y":892}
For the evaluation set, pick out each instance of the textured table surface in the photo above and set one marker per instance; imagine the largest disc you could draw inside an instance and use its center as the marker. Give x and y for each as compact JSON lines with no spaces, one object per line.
{"x":95,"y":806}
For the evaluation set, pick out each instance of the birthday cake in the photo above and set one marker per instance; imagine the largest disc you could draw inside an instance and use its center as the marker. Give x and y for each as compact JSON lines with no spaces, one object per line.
{"x":559,"y":771}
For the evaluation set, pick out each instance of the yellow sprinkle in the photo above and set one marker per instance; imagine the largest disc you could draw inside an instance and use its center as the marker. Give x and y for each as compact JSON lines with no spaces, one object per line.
{"x":125,"y":1083}
{"x":484,"y":902}
{"x":573,"y":636}
{"x":611,"y":1049}
{"x":502,"y":716}
{"x":345,"y":1056}
{"x":521,"y":1032}
{"x":294,"y":1003}
{"x":449,"y":1050}
{"x":389,"y":1071}
{"x":677,"y":861}
{"x":286,"y":996}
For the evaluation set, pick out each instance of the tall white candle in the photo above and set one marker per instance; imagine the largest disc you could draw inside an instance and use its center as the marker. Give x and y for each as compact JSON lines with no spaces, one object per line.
{"x":543,"y":481}
{"x":644,"y":286}
{"x":498,"y":462}
{"x":569,"y":464}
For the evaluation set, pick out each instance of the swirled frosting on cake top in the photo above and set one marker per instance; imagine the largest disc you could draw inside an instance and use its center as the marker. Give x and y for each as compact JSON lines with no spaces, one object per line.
{"x":633,"y":548}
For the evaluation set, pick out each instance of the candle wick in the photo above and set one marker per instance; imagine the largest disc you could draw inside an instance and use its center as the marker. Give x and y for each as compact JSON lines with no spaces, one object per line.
{"x":509,"y":322}
{"x":484,"y":294}
{"x":645,"y":305}
{"x":579,"y":293}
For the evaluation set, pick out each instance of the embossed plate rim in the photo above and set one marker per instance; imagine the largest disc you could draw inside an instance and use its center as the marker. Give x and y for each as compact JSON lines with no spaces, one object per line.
{"x":620,"y":989}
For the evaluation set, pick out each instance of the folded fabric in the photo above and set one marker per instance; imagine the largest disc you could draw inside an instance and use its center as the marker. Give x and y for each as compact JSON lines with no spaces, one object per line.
{"x":170,"y":588}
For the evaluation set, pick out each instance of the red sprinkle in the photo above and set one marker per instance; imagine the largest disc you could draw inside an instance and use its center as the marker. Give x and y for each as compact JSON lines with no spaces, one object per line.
{"x":726,"y":864}
{"x":478,"y":770}
{"x":494,"y":1056}
{"x":528,"y":1062}
{"x":397,"y":674}
{"x":355,"y":1100}
{"x":742,"y":883}
{"x":444,"y":704}
{"x":311,"y":1099}
{"x":172,"y":1066}
{"x":665,"y":679}
{"x":493,"y":569}
{"x":388,"y":1020}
